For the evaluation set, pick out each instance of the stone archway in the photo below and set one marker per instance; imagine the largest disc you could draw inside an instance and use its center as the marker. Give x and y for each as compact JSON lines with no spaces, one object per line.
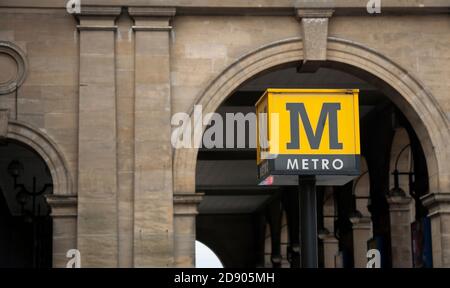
{"x":419,"y":106}
{"x":63,"y":201}
{"x":417,"y":103}
{"x":48,"y":150}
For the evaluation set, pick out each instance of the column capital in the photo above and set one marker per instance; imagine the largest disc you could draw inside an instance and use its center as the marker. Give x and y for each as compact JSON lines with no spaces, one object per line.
{"x":186,"y":204}
{"x":363,"y":223}
{"x":398,"y":203}
{"x":62,"y":205}
{"x":100,"y":11}
{"x":314,"y":13}
{"x":151,"y":11}
{"x":437,"y":203}
{"x":151,"y":18}
{"x":330,"y":239}
{"x":98,"y":18}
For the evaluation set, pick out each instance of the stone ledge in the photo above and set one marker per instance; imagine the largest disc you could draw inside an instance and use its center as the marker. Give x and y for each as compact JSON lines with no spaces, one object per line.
{"x":364,"y":223}
{"x":314,"y":13}
{"x":96,"y":28}
{"x":151,"y":28}
{"x":186,"y":204}
{"x":437,"y":203}
{"x":151,"y":11}
{"x":62,"y":206}
{"x":100,"y":11}
{"x":398,"y":203}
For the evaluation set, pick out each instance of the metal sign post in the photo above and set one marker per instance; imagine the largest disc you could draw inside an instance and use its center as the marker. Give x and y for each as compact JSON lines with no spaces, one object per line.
{"x":308,"y":221}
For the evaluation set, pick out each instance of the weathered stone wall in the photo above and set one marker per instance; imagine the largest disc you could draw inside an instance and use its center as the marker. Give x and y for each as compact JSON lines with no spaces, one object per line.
{"x":48,"y":99}
{"x":203,"y":46}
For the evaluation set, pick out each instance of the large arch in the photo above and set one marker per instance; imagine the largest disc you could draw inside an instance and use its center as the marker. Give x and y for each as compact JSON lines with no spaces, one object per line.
{"x":48,"y":150}
{"x":415,"y":101}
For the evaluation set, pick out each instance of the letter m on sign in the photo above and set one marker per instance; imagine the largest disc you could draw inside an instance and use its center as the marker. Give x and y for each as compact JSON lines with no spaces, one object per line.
{"x":298,"y":112}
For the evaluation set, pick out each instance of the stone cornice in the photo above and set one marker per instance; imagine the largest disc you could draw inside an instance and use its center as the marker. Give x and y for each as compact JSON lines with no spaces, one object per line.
{"x":181,"y":198}
{"x":100,"y":11}
{"x":255,"y":7}
{"x":186,"y":204}
{"x":314,"y":13}
{"x":437,"y":203}
{"x":398,"y":201}
{"x":96,"y":28}
{"x":151,"y":11}
{"x":152,"y":28}
{"x":62,"y":205}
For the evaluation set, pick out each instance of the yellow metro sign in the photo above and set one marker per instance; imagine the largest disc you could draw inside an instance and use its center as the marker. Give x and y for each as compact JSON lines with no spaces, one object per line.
{"x":308,"y":132}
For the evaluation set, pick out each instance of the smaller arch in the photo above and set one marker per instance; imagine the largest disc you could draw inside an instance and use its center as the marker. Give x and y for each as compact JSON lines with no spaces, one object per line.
{"x":48,"y":150}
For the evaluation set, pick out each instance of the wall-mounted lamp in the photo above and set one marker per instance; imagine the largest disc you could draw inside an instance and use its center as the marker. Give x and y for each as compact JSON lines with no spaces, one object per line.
{"x":355,"y":216}
{"x":397,"y":191}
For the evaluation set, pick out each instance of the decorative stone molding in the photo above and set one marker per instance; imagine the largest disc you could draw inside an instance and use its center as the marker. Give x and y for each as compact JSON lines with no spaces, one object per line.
{"x":14,"y":67}
{"x":151,"y":11}
{"x":97,"y":28}
{"x":100,"y":10}
{"x":364,"y":222}
{"x":314,"y":33}
{"x":437,"y":203}
{"x":399,"y":203}
{"x":151,"y":18}
{"x":314,"y":13}
{"x":98,"y":18}
{"x":186,"y":204}
{"x":48,"y":150}
{"x":62,"y":205}
{"x":4,"y":115}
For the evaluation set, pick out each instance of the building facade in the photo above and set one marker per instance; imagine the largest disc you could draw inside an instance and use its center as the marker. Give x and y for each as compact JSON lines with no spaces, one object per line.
{"x":92,"y":94}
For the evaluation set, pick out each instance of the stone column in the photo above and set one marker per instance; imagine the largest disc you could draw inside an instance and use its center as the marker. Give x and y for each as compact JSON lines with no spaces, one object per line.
{"x":438,"y":205}
{"x":64,"y":214}
{"x":399,"y":214}
{"x":401,"y":206}
{"x":185,"y":210}
{"x":97,"y":161}
{"x":153,"y":191}
{"x":362,"y":232}
{"x":362,"y":223}
{"x":330,"y":243}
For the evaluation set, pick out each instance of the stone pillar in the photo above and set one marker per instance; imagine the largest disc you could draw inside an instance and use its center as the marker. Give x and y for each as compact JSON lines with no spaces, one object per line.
{"x":97,"y":161}
{"x":399,"y":214}
{"x":64,"y":214}
{"x":330,"y":243}
{"x":362,"y":223}
{"x":185,"y":210}
{"x":401,"y":206}
{"x":153,"y":191}
{"x":362,"y":231}
{"x":314,"y":37}
{"x":438,"y":205}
